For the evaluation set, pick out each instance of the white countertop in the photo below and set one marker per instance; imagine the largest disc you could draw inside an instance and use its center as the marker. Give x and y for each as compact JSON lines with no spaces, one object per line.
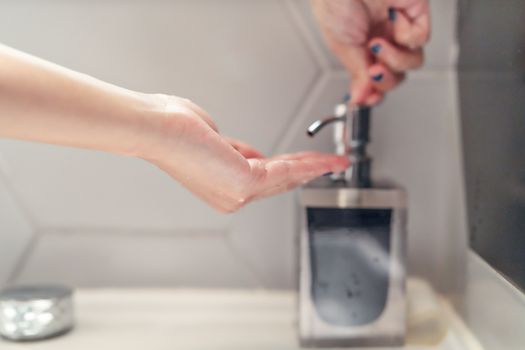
{"x":166,"y":319}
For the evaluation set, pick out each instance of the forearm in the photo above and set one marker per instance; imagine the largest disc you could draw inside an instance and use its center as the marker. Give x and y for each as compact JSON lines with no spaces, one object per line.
{"x":40,"y":101}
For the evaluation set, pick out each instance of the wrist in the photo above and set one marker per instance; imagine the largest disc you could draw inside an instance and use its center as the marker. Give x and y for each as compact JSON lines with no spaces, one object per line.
{"x":154,"y":127}
{"x":145,"y":115}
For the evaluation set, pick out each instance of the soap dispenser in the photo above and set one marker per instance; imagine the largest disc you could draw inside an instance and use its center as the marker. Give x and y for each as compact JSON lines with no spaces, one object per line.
{"x":352,"y":247}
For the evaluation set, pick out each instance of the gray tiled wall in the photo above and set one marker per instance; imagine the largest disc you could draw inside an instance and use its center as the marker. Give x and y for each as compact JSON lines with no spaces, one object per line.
{"x":259,"y":67}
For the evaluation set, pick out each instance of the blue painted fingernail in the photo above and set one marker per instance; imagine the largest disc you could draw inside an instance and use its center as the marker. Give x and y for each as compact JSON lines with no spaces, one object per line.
{"x":377,"y":77}
{"x":346,"y":97}
{"x":328,"y":174}
{"x":392,"y":14}
{"x":375,"y":48}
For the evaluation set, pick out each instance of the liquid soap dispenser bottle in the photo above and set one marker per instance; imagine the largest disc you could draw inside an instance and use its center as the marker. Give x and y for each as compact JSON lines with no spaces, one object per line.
{"x":352,"y":248}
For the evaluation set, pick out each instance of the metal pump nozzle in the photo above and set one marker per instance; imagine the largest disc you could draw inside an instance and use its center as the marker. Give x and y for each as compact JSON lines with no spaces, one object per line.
{"x":351,"y":140}
{"x":316,"y":126}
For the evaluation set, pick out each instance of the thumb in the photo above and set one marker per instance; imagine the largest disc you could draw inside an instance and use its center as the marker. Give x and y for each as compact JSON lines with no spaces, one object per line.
{"x":361,"y":87}
{"x":411,"y":25}
{"x":356,"y":60}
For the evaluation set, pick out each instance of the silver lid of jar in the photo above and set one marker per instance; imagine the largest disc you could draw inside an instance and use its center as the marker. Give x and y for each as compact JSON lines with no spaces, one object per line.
{"x":35,"y":312}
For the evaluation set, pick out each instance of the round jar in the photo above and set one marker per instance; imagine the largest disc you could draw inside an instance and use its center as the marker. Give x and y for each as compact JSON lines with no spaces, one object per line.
{"x":35,"y":312}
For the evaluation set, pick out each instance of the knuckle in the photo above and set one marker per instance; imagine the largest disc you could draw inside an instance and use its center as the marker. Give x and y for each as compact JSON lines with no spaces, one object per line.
{"x":404,"y":38}
{"x":396,"y":63}
{"x":415,"y":41}
{"x":189,"y":123}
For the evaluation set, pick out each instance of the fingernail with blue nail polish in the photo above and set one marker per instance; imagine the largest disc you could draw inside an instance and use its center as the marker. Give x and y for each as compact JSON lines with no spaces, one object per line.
{"x":346,"y":97}
{"x":392,"y":14}
{"x":375,"y":48}
{"x":377,"y":77}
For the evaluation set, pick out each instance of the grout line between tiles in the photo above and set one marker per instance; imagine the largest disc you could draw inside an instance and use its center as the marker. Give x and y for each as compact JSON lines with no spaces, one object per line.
{"x":295,"y":120}
{"x":23,"y":259}
{"x":291,"y":120}
{"x":304,"y":31}
{"x":17,"y":199}
{"x":240,"y":256}
{"x":250,"y":268}
{"x":318,"y":57}
{"x":193,"y":233}
{"x":298,"y":123}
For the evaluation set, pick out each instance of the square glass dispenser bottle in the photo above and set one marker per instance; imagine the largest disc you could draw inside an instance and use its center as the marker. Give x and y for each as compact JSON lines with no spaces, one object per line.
{"x":352,"y":248}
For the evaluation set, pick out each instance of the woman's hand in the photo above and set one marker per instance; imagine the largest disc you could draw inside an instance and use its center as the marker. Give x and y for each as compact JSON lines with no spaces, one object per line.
{"x":43,"y":102}
{"x":223,"y":172}
{"x":377,"y":41}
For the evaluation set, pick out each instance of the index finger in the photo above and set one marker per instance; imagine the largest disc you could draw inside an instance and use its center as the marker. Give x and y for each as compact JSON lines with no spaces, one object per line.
{"x":356,"y":61}
{"x":284,"y":174}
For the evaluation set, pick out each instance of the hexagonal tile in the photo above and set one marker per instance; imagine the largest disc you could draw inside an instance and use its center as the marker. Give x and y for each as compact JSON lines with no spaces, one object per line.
{"x":105,"y":258}
{"x":15,"y":231}
{"x":311,"y":28}
{"x":320,"y":103}
{"x":65,"y":187}
{"x":250,"y":76}
{"x":263,"y":233}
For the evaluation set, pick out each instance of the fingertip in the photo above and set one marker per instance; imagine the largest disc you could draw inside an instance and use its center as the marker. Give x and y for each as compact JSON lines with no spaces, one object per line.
{"x":344,"y":160}
{"x":360,"y":88}
{"x":375,"y":48}
{"x":383,"y":79}
{"x":377,"y":77}
{"x":331,"y":164}
{"x":378,"y":46}
{"x":396,"y":58}
{"x":376,"y":72}
{"x":342,"y":164}
{"x":392,"y":14}
{"x":337,"y":159}
{"x":374,"y":99}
